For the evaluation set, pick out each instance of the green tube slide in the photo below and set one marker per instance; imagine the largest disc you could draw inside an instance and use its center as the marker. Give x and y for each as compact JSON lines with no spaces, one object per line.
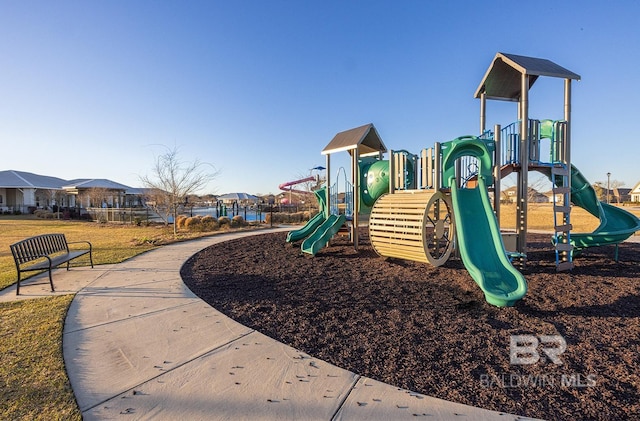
{"x":616,"y":225}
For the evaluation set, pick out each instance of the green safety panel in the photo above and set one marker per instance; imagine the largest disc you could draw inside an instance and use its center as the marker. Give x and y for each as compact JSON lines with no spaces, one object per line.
{"x":546,"y":129}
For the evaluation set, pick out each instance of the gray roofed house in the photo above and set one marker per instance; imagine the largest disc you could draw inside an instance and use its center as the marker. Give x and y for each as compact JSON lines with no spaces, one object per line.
{"x":93,"y":183}
{"x":23,"y":191}
{"x":22,"y":179}
{"x":101,"y":192}
{"x":20,"y":190}
{"x":240,"y":198}
{"x":622,"y":194}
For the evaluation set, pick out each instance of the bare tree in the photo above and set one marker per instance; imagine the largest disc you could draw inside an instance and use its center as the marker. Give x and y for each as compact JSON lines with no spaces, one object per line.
{"x":600,"y":191}
{"x":172,"y":181}
{"x":97,"y":196}
{"x":54,"y":198}
{"x":612,"y":186}
{"x":537,"y":184}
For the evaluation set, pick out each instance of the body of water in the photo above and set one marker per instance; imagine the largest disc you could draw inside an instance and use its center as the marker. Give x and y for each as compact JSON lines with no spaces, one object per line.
{"x":249,"y":214}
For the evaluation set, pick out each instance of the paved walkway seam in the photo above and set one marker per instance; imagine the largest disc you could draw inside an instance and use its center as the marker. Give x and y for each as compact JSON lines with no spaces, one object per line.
{"x":150,"y":313}
{"x":165,"y":372}
{"x":341,"y":405}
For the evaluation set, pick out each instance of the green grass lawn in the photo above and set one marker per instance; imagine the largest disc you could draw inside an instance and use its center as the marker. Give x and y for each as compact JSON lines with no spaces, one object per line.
{"x":33,"y":379}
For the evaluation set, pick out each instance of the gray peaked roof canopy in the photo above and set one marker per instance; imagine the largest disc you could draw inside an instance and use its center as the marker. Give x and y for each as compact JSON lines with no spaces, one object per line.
{"x":238,"y":196}
{"x":92,"y":183}
{"x":503,"y":79}
{"x":22,"y":179}
{"x":364,"y":138}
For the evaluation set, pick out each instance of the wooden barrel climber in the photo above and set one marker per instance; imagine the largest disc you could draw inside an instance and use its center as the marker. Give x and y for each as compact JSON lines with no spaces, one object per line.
{"x":414,"y":225}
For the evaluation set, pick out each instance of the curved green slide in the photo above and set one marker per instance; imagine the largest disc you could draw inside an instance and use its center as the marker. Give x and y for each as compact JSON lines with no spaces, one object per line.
{"x":321,"y":236}
{"x":479,"y":239}
{"x":313,"y":223}
{"x":616,"y":225}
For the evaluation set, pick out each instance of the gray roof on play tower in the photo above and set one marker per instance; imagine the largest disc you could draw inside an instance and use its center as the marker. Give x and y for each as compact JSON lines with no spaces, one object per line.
{"x":364,"y":138}
{"x":503,"y":79}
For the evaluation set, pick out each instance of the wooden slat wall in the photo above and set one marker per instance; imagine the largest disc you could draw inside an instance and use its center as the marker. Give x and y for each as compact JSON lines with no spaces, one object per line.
{"x":397,"y":225}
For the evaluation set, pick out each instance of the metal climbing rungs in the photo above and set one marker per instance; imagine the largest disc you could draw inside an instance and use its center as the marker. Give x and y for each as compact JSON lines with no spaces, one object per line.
{"x":562,"y":224}
{"x":561,"y":170}
{"x":564,"y":228}
{"x":564,"y":266}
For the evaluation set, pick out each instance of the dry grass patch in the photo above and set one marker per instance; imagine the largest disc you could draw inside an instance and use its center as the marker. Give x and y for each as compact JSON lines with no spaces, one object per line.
{"x":540,"y":217}
{"x":112,"y":243}
{"x":33,"y":379}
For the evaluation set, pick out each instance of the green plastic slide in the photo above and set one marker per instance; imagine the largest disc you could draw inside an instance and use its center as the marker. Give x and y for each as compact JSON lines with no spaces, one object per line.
{"x":481,"y":247}
{"x":321,"y":236}
{"x":616,"y":225}
{"x":477,"y":230}
{"x":307,"y":229}
{"x":313,"y":223}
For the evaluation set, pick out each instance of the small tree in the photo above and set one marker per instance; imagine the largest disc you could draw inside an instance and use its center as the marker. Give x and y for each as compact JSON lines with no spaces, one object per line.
{"x":601,"y":190}
{"x":97,"y":196}
{"x":172,"y":181}
{"x":54,"y":198}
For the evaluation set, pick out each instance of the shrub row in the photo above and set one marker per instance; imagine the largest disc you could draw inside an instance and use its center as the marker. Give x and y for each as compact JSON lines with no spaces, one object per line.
{"x":288,"y":218}
{"x":46,"y":214}
{"x":209,"y":223}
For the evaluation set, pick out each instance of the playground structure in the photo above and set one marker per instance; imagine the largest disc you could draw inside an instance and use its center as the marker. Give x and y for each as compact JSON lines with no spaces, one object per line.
{"x":288,"y":186}
{"x":423,"y":206}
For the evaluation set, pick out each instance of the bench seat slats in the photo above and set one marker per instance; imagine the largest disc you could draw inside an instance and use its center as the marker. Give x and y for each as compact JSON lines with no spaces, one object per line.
{"x":45,"y":252}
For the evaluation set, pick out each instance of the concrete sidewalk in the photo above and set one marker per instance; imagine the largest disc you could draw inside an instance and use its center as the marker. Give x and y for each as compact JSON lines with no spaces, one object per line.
{"x":138,"y":344}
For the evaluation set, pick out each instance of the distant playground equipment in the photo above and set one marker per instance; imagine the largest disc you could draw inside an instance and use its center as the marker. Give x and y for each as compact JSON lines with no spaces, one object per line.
{"x":288,"y":186}
{"x":422,"y":206}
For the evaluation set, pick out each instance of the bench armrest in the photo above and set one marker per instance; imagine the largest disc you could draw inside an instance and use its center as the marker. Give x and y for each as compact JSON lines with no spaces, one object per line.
{"x":32,"y":261}
{"x":78,"y":242}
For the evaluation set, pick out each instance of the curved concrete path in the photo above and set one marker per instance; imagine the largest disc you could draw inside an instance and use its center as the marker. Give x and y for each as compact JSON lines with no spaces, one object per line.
{"x":138,"y":344}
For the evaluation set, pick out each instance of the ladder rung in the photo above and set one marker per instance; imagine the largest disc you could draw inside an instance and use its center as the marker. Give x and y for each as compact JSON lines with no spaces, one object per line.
{"x":564,"y":266}
{"x":563,"y":209}
{"x":561,"y":190}
{"x":560,"y":171}
{"x":564,"y":247}
{"x":564,"y":228}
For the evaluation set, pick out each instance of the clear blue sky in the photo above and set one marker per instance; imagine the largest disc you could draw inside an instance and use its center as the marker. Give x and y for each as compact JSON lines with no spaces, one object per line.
{"x":94,"y":89}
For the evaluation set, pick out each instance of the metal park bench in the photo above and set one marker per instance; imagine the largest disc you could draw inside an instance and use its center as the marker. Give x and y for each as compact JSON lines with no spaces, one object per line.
{"x":45,"y":252}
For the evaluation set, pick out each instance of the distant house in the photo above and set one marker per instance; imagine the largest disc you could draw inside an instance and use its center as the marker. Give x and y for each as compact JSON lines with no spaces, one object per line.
{"x":24,"y":192}
{"x":20,"y":191}
{"x":559,"y":197}
{"x":240,"y":199}
{"x":622,"y":194}
{"x":634,"y":194}
{"x":510,"y":195}
{"x":102,"y":193}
